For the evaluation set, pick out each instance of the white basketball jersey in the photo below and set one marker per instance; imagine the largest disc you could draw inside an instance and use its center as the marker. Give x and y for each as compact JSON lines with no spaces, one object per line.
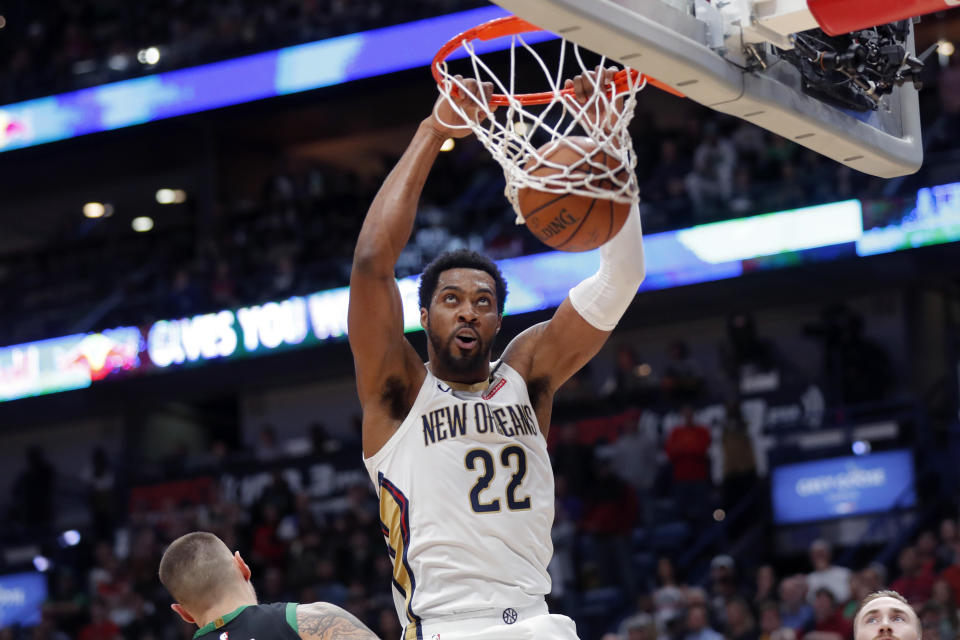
{"x":466,"y":501}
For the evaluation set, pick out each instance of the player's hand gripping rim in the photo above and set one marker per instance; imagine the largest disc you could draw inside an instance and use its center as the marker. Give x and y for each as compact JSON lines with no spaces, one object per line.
{"x":466,"y":101}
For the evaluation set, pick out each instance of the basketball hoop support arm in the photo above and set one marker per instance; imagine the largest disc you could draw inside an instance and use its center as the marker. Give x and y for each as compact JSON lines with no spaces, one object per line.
{"x":678,"y":49}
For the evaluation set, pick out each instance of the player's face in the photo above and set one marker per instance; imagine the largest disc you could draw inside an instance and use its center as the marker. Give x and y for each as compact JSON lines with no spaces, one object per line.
{"x":462,"y":320}
{"x":887,"y":619}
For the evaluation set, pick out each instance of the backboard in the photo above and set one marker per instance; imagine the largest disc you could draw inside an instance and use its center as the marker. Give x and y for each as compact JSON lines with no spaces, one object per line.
{"x":734,"y":56}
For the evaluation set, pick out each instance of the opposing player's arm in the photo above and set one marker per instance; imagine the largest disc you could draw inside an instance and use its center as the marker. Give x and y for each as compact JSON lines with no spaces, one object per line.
{"x":389,"y":371}
{"x":324,"y":621}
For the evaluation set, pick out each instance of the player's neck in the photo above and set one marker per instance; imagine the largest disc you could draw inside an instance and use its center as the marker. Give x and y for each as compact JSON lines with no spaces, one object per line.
{"x":224,"y":607}
{"x":463,"y":380}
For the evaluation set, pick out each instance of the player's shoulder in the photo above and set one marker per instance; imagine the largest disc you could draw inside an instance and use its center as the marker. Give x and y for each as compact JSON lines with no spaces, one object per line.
{"x":322,"y":620}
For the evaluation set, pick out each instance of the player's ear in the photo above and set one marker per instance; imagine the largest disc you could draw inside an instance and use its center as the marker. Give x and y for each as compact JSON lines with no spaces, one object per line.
{"x":183,"y":613}
{"x":244,"y":569}
{"x":424,"y":317}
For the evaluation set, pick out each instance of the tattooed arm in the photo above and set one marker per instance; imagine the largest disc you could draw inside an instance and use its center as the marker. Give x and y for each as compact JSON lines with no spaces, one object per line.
{"x":324,"y":621}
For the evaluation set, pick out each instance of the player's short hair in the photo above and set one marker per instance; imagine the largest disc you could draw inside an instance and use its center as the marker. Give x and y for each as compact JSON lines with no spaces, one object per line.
{"x":884,"y":593}
{"x":197,"y":569}
{"x":460,"y":259}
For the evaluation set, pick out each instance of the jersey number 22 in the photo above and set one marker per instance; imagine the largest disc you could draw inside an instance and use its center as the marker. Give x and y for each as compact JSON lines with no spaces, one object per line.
{"x":514,"y":459}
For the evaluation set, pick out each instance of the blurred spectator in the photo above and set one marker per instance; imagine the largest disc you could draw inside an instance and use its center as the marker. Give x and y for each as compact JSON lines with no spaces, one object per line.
{"x":99,"y":478}
{"x":698,"y":625}
{"x":874,"y":577}
{"x":926,"y":547}
{"x":639,"y":626}
{"x":856,"y":369}
{"x":668,"y":597}
{"x":610,"y":516}
{"x":634,"y":459}
{"x":795,"y":612}
{"x":321,"y":443}
{"x":825,"y":574}
{"x":33,"y":490}
{"x":915,"y":584}
{"x":388,"y":625}
{"x":632,"y":382}
{"x":858,"y":591}
{"x":223,"y":287}
{"x":183,"y":295}
{"x":943,"y":597}
{"x":568,"y":458}
{"x":710,"y":183}
{"x":829,"y":623}
{"x":932,"y":621}
{"x":743,"y":200}
{"x":771,"y":627}
{"x":277,"y":494}
{"x":67,"y":603}
{"x":951,"y":575}
{"x":267,"y":448}
{"x":739,"y":461}
{"x":740,"y":623}
{"x":100,"y":626}
{"x":948,"y":536}
{"x":686,"y":447}
{"x":682,"y":379}
{"x":746,"y":355}
{"x":723,"y":588}
{"x":765,"y":589}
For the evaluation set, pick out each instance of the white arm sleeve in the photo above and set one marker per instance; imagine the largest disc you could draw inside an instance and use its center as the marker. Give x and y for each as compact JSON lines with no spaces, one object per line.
{"x":602,"y":298}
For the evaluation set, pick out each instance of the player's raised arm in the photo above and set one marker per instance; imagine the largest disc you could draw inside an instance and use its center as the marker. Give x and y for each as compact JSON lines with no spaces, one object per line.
{"x":389,"y":371}
{"x":554,"y":350}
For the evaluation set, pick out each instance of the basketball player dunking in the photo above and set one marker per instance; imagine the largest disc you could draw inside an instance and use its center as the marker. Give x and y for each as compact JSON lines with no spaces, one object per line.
{"x":456,"y":447}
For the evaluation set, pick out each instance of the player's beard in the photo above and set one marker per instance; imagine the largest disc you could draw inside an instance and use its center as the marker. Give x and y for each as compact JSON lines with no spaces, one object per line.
{"x":445,"y":350}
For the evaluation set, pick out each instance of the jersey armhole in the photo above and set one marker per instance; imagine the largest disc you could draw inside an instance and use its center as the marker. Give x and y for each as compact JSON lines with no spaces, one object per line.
{"x":292,"y":616}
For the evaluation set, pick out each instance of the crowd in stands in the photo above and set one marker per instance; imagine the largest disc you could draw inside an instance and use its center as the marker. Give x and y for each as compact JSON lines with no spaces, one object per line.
{"x":298,"y":238}
{"x":53,"y":47}
{"x":630,"y":503}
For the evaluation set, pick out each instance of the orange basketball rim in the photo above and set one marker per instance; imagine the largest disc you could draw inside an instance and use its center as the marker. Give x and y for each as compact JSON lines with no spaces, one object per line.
{"x":511,"y":26}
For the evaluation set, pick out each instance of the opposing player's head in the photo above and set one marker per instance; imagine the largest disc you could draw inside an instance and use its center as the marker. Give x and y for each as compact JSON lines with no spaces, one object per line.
{"x":462,"y":294}
{"x":200,"y":573}
{"x":886,"y":615}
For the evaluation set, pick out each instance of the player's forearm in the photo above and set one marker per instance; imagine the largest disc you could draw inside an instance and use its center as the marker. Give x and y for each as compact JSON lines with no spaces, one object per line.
{"x":603,"y":298}
{"x":389,"y":221}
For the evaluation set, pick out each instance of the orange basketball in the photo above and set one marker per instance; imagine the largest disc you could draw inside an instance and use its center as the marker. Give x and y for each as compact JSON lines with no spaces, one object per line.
{"x":572,"y":222}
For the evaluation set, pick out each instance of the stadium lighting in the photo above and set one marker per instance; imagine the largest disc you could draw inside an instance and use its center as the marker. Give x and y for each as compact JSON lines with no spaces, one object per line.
{"x":447,"y":145}
{"x":70,"y":538}
{"x":41,"y":563}
{"x":171,"y":196}
{"x":148,"y":56}
{"x":945,"y":48}
{"x":142,"y":224}
{"x":861,"y":447}
{"x":3,"y":22}
{"x":94,"y":210}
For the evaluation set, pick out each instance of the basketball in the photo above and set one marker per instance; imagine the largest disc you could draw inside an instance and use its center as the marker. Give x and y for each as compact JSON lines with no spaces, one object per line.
{"x":570,"y":222}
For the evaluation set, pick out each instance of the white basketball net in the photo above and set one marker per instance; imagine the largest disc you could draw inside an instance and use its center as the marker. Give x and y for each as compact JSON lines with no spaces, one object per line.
{"x":513,"y":134}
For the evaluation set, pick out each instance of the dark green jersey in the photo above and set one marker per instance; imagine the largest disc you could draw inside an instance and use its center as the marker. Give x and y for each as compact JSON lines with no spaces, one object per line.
{"x":276,"y":621}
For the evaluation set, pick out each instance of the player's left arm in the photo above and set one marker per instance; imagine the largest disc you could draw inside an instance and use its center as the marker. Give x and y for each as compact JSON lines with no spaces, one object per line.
{"x":325,"y":621}
{"x":555,"y":350}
